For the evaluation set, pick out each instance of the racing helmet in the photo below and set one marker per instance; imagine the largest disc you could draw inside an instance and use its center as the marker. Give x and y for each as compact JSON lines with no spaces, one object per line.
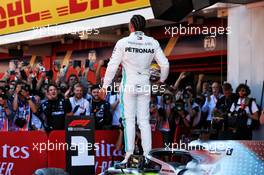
{"x":154,"y":72}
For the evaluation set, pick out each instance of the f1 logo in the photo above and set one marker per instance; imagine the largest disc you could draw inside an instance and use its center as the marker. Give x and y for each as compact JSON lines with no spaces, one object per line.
{"x":83,"y":123}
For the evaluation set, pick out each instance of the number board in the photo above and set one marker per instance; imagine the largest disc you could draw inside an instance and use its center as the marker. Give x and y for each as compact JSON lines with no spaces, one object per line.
{"x":80,"y":140}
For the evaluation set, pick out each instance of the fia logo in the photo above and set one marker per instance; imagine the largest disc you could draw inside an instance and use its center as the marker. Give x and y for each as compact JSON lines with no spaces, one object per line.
{"x":209,"y":43}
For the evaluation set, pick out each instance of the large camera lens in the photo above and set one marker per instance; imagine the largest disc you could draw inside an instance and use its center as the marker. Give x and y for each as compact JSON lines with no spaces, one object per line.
{"x":185,"y":95}
{"x":178,"y":107}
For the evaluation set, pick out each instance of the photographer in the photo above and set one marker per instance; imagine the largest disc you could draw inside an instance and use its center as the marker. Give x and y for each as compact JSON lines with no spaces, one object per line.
{"x":221,"y":110}
{"x":166,"y":120}
{"x":154,"y":107}
{"x":44,"y":77}
{"x":210,"y":103}
{"x":182,"y":121}
{"x":11,"y":90}
{"x":23,"y":106}
{"x":243,"y":112}
{"x":36,"y":122}
{"x":191,"y":107}
{"x":5,"y":112}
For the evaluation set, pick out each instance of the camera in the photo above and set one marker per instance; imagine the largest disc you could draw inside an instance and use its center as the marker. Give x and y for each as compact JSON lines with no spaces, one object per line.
{"x":3,"y":96}
{"x":77,"y":63}
{"x":179,"y":107}
{"x":57,"y":64}
{"x":25,"y":63}
{"x":25,"y":87}
{"x":185,"y":94}
{"x":167,"y":97}
{"x":42,"y":68}
{"x":12,"y":72}
{"x":49,"y":73}
{"x":224,"y":108}
{"x":87,"y":63}
{"x":4,"y":88}
{"x":237,"y":119}
{"x":20,"y":122}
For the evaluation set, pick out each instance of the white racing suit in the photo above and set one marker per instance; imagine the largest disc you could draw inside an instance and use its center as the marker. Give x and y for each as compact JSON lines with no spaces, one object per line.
{"x":136,"y":53}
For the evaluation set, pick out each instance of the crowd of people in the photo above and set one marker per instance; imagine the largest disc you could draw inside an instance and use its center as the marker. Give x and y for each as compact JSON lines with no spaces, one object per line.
{"x":32,"y":98}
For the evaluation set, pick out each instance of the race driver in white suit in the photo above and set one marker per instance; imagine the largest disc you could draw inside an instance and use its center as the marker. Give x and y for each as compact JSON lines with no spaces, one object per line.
{"x":135,"y":53}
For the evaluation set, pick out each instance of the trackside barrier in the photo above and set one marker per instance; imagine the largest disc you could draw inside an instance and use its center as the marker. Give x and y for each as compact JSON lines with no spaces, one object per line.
{"x":24,"y":152}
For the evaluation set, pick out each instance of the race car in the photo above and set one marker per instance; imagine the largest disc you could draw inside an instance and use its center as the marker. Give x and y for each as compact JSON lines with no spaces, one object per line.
{"x":162,"y":161}
{"x":202,"y":158}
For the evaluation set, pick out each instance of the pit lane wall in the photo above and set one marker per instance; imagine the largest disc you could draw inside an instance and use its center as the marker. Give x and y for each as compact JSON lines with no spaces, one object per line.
{"x":245,"y":50}
{"x":22,"y":20}
{"x":21,"y":153}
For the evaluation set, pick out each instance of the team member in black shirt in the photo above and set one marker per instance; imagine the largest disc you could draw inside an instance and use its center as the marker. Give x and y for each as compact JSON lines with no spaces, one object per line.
{"x":54,"y":109}
{"x":100,"y":109}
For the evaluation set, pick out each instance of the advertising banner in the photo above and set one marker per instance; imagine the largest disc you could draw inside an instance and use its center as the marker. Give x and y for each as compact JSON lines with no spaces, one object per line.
{"x":20,"y":152}
{"x":23,"y":15}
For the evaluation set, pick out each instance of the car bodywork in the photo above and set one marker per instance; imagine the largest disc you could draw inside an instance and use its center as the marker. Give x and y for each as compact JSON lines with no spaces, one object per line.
{"x":203,"y":158}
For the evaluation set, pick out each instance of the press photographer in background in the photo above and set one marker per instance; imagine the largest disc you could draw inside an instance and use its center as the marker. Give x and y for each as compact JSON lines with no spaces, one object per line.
{"x":244,"y":112}
{"x":223,"y":105}
{"x":23,"y":106}
{"x":192,"y":107}
{"x":154,"y":115}
{"x":166,"y":118}
{"x":188,"y":115}
{"x":210,"y":104}
{"x":5,"y":112}
{"x":184,"y":79}
{"x":183,"y":122}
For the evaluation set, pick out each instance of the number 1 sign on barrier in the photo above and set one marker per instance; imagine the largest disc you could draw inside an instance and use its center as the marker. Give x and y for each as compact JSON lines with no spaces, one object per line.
{"x":80,"y":157}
